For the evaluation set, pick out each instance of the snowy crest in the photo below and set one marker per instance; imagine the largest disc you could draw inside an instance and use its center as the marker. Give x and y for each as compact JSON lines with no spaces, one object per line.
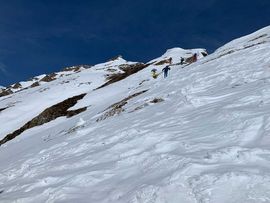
{"x":177,"y":53}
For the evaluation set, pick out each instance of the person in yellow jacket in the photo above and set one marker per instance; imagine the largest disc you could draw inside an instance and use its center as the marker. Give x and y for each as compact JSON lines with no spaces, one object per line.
{"x":154,"y":73}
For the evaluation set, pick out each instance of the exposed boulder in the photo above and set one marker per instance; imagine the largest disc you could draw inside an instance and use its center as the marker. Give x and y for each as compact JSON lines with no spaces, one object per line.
{"x":157,"y":100}
{"x":204,"y":53}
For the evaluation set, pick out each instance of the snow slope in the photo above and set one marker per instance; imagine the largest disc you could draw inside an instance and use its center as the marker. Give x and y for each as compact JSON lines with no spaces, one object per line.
{"x":201,"y":135}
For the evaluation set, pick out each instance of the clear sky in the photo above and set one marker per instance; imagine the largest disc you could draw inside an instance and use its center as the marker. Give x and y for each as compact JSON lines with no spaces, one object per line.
{"x":42,"y":36}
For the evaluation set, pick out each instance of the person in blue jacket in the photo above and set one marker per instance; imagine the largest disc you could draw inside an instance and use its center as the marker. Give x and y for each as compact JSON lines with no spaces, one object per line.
{"x":165,"y":71}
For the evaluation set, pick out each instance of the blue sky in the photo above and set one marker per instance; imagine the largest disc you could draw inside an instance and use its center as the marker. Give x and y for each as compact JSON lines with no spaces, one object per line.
{"x":42,"y":36}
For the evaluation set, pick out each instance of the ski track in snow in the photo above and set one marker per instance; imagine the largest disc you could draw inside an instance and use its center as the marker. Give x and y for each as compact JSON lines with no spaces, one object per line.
{"x":207,"y":142}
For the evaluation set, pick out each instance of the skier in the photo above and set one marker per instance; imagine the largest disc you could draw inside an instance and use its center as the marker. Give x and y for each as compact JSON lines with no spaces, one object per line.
{"x":166,"y":70}
{"x":182,"y":61}
{"x":194,"y":58}
{"x":170,"y":60}
{"x":154,"y":73}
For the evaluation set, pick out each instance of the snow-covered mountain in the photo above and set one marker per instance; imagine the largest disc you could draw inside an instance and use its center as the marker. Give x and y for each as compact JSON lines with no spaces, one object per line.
{"x":112,"y":133}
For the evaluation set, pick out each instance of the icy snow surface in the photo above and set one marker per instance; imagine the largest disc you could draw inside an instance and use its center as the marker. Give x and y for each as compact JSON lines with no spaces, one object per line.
{"x":207,"y":142}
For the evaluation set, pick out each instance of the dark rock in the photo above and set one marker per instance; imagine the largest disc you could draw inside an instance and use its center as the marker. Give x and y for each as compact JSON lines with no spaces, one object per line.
{"x":128,"y":70}
{"x":157,"y":100}
{"x":204,"y":53}
{"x":166,"y":61}
{"x":115,"y":58}
{"x":143,"y":81}
{"x":49,"y":114}
{"x":261,"y":36}
{"x":35,"y":84}
{"x":17,"y":86}
{"x":5,"y":92}
{"x":49,"y":78}
{"x":117,"y":108}
{"x":76,"y":68}
{"x":2,"y":109}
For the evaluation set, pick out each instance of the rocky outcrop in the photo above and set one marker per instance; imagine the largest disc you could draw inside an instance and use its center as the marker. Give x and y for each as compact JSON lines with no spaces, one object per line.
{"x":165,"y":61}
{"x":156,"y":100}
{"x":49,"y":114}
{"x":49,"y":78}
{"x":17,"y":86}
{"x":153,"y":101}
{"x":115,"y":58}
{"x":2,"y":109}
{"x":35,"y":84}
{"x":76,"y":68}
{"x":261,"y":36}
{"x":191,"y":59}
{"x":117,"y":108}
{"x":5,"y":92}
{"x":127,"y":71}
{"x":204,"y":53}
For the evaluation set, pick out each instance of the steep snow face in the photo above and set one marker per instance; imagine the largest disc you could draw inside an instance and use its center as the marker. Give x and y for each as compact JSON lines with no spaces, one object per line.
{"x":200,"y":135}
{"x":260,"y":36}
